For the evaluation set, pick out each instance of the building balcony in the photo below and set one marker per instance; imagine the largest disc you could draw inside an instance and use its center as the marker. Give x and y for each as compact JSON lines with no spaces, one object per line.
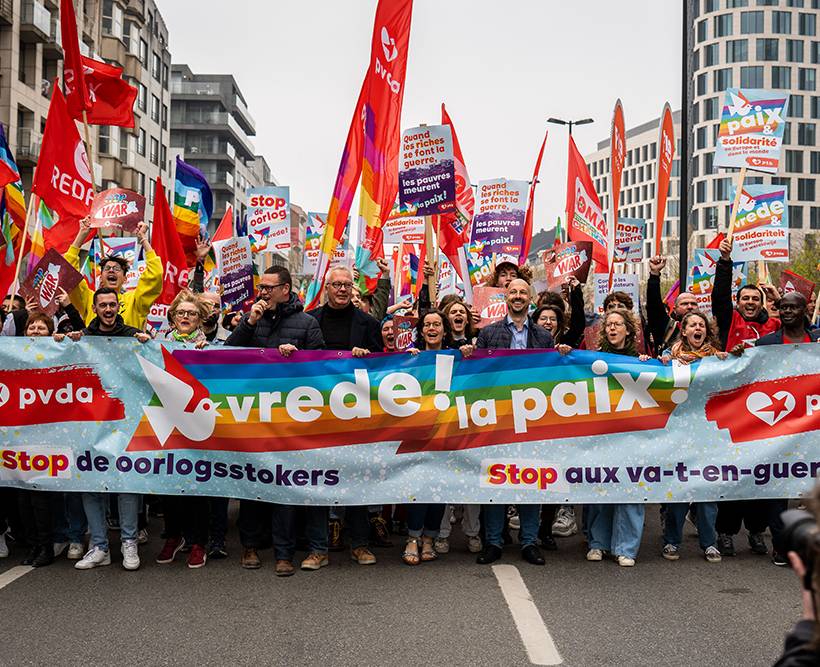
{"x":28,"y":146}
{"x":6,"y":12}
{"x":197,"y":88}
{"x":136,"y":9}
{"x":244,"y":117}
{"x":113,"y":50}
{"x":217,"y":121}
{"x":53,"y":46}
{"x":35,"y":22}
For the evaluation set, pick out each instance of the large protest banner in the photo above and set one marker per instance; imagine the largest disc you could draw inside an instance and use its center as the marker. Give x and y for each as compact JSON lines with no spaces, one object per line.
{"x":502,"y":426}
{"x":762,"y":224}
{"x":427,"y":180}
{"x":499,"y":218}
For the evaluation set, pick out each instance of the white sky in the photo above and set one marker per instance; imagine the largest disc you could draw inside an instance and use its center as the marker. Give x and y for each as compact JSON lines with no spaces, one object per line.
{"x":502,"y":68}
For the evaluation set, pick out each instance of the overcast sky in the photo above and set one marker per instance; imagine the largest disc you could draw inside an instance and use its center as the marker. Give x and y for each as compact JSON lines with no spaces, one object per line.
{"x":501,"y":68}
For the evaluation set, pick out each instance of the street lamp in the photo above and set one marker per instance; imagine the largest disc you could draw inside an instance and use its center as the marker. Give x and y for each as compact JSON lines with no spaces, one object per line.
{"x":570,"y":123}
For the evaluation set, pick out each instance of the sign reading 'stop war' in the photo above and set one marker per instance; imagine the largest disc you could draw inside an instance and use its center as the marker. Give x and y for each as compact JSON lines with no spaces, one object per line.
{"x":48,"y":279}
{"x":751,"y":129}
{"x":499,"y":218}
{"x":427,"y":182}
{"x":761,"y":229}
{"x":269,"y":219}
{"x":568,"y":259}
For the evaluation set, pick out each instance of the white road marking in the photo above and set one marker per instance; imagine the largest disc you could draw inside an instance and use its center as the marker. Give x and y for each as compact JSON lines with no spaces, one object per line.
{"x":537,"y":640}
{"x":12,"y":574}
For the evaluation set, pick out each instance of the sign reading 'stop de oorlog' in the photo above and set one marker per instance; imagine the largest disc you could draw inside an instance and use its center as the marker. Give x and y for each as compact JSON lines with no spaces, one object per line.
{"x":503,"y":426}
{"x":269,"y":219}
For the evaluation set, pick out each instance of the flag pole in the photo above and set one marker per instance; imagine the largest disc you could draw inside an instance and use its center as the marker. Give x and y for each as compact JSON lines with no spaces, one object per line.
{"x":31,"y":205}
{"x":736,"y":204}
{"x":816,"y":308}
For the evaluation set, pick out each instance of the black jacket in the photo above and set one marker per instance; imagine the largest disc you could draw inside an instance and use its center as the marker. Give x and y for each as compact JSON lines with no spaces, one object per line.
{"x":797,"y":651}
{"x":776,"y":338}
{"x":121,"y":329}
{"x":663,"y":329}
{"x":577,"y":319}
{"x":287,"y":324}
{"x":498,"y":337}
{"x":365,"y":331}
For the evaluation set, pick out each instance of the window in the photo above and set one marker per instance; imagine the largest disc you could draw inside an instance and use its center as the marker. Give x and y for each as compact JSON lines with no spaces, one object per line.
{"x":794,"y":161}
{"x":709,"y":163}
{"x":142,"y":97}
{"x":794,"y":51}
{"x":152,"y":191}
{"x":163,"y":156}
{"x":782,"y":22}
{"x":737,"y":50}
{"x":722,"y":79}
{"x":112,"y":19}
{"x":700,"y":192}
{"x":796,"y":217}
{"x":814,"y":162}
{"x":787,"y":134}
{"x":154,"y":151}
{"x":805,"y":189}
{"x":155,"y":108}
{"x":144,"y":52}
{"x":109,"y":140}
{"x":807,"y":24}
{"x":156,"y":66}
{"x":700,"y":138}
{"x":806,"y":135}
{"x":806,"y":78}
{"x":796,"y":106}
{"x":702,"y":31}
{"x":710,"y":217}
{"x":736,"y":3}
{"x":767,"y":49}
{"x":814,"y":217}
{"x":781,"y":76}
{"x":701,"y":84}
{"x":723,"y":25}
{"x":711,"y":108}
{"x":720,"y":188}
{"x":710,"y":6}
{"x":795,"y":3}
{"x":164,"y":116}
{"x":767,"y":3}
{"x":751,"y":77}
{"x":815,"y":52}
{"x":165,"y":76}
{"x":141,"y":143}
{"x":141,"y":183}
{"x":814,"y":108}
{"x":751,"y":23}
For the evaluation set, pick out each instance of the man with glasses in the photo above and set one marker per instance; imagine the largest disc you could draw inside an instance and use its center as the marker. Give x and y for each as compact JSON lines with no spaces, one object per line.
{"x":345,"y":327}
{"x":277,"y":320}
{"x":133,"y":305}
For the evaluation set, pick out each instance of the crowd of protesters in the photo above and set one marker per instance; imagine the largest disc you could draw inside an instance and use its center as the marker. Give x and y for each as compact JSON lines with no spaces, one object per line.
{"x":45,"y":525}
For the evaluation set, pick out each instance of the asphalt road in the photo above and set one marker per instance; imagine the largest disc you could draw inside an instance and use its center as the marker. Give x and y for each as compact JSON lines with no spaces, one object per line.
{"x":451,"y":611}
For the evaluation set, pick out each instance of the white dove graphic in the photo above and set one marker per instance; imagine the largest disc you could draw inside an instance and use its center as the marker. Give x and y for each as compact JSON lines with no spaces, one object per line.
{"x":186,"y":405}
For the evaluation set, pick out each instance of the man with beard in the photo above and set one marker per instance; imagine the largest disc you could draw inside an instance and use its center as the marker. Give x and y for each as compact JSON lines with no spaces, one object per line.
{"x":515,"y":332}
{"x":664,"y":329}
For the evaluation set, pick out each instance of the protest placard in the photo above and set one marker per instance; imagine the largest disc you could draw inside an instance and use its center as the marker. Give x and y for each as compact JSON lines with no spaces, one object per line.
{"x":499,"y":218}
{"x":621,"y":282}
{"x":491,"y":304}
{"x":479,"y":264}
{"x":404,"y":328}
{"x":567,"y":259}
{"x":51,"y":274}
{"x":761,"y":229}
{"x":117,"y":209}
{"x":234,"y":261}
{"x":408,"y":229}
{"x":427,"y":184}
{"x":629,"y":237}
{"x":701,"y":276}
{"x":751,"y":129}
{"x":448,"y":282}
{"x":269,"y":219}
{"x":313,"y":241}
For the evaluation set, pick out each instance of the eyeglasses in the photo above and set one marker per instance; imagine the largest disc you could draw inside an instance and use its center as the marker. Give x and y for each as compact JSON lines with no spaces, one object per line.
{"x":187,"y":313}
{"x":338,"y":285}
{"x":268,"y":288}
{"x":116,"y":268}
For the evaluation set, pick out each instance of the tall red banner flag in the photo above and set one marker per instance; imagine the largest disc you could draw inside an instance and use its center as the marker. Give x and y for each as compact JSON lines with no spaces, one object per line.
{"x":617,"y":152}
{"x":586,"y":220}
{"x":76,"y":90}
{"x":63,"y":176}
{"x":527,"y":236}
{"x":455,"y":227}
{"x":166,"y":243}
{"x":111,"y":98}
{"x":663,"y":171}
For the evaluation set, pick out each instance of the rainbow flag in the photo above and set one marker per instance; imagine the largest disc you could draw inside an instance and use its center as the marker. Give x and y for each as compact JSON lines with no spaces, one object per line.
{"x":15,"y":202}
{"x":11,"y":236}
{"x":45,"y":221}
{"x":193,"y":207}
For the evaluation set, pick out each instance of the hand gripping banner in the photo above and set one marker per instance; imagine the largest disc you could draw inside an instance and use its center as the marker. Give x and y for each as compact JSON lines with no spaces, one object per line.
{"x":325,"y":428}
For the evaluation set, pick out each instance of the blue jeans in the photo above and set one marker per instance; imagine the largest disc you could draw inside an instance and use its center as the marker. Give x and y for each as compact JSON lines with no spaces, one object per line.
{"x":95,"y":505}
{"x":616,"y":528}
{"x":69,"y":517}
{"x":496,"y":515}
{"x":284,"y":543}
{"x":424,"y":519}
{"x":705,"y":516}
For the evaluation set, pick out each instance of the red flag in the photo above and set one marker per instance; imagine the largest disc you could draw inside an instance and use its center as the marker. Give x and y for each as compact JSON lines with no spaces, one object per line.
{"x":617,"y":151}
{"x":586,"y":220}
{"x":166,"y":243}
{"x":715,"y":242}
{"x":527,"y":237}
{"x":455,"y":227}
{"x":62,"y":178}
{"x":663,"y":171}
{"x":76,"y":89}
{"x":225,"y":229}
{"x":111,"y":97}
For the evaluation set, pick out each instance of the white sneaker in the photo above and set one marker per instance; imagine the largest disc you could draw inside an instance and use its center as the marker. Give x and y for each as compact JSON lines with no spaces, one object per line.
{"x":712,"y":554}
{"x":442,"y":545}
{"x":565,"y":524}
{"x":474,"y":544}
{"x":626,"y":561}
{"x":595,"y":555}
{"x":670,"y":552}
{"x":130,"y":555}
{"x":75,"y":551}
{"x":94,"y":558}
{"x":59,"y":547}
{"x":142,"y":536}
{"x":4,"y":548}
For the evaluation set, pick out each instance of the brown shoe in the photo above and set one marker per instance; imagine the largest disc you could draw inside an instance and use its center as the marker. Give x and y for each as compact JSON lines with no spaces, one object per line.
{"x":363,"y":556}
{"x":284,"y":568}
{"x":250,"y":559}
{"x":315,"y":561}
